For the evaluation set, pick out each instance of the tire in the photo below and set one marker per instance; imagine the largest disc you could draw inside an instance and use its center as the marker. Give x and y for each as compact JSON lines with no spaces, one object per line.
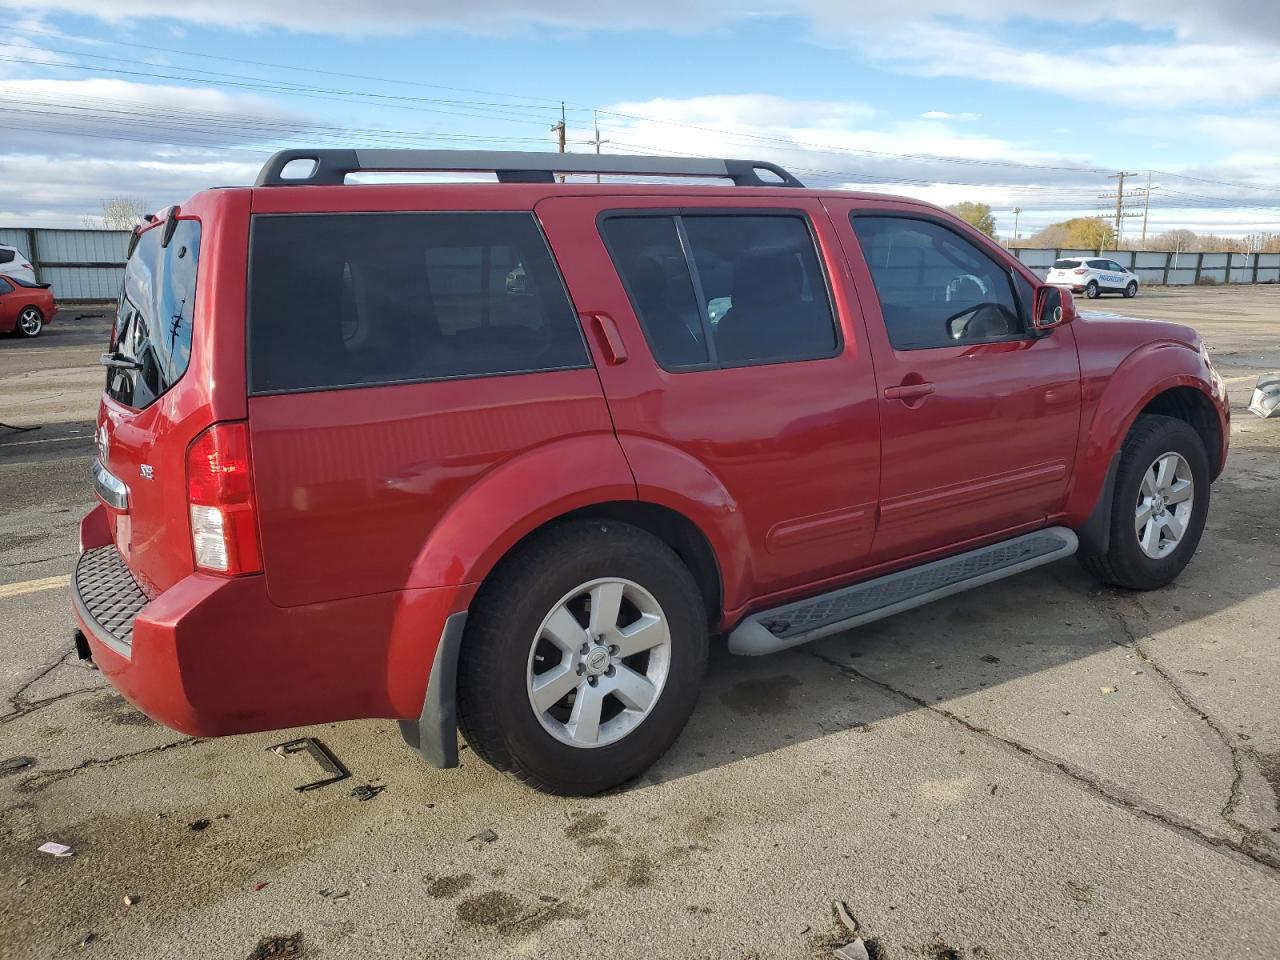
{"x":1091,"y":290}
{"x":509,"y":639}
{"x":1131,"y":290}
{"x":1127,"y":562}
{"x":30,"y":322}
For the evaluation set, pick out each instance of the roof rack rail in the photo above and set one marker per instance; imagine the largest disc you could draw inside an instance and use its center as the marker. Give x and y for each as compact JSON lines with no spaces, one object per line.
{"x":331,"y":167}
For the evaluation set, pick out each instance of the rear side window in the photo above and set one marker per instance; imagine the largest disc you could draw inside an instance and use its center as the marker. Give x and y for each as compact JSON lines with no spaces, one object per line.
{"x":152,"y":333}
{"x":6,"y":286}
{"x":724,"y":290}
{"x":6,"y":256}
{"x":936,"y":288}
{"x":1065,"y":264}
{"x":338,"y":300}
{"x":1100,"y":264}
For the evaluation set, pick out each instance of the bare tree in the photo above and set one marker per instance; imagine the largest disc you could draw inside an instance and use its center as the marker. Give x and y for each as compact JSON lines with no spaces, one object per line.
{"x":118,"y":213}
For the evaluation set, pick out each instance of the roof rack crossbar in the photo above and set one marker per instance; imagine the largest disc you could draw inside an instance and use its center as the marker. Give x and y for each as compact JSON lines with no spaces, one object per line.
{"x":331,"y":167}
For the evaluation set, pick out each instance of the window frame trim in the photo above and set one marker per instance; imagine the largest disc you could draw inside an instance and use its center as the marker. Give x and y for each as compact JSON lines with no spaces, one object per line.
{"x":676,"y":214}
{"x":1007,"y":268}
{"x":588,"y":358}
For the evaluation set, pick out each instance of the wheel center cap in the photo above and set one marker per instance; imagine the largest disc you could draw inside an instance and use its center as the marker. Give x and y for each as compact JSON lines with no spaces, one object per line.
{"x":597,"y":661}
{"x":1157,"y":503}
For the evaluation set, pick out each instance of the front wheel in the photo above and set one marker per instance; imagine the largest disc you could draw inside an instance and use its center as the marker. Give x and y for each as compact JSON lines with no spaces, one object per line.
{"x":1091,"y":290}
{"x":30,"y":322}
{"x":1160,"y":504}
{"x":583,"y":658}
{"x":1131,"y":290}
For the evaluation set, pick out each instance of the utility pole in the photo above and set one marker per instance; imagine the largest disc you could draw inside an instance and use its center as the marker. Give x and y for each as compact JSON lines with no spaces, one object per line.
{"x":1120,"y":212}
{"x":559,"y":130}
{"x":1146,"y":208}
{"x":596,"y":139}
{"x":1016,"y":212}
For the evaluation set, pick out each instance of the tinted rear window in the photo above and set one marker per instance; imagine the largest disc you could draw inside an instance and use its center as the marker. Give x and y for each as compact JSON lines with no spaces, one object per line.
{"x":1065,"y":264}
{"x":154,"y":318}
{"x":338,"y":300}
{"x":6,"y":256}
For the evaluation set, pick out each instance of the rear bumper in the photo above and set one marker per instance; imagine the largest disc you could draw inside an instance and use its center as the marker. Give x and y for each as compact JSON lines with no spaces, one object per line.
{"x":213,"y":655}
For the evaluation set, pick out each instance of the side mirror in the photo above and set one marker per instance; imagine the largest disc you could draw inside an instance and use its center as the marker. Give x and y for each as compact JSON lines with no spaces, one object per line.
{"x":1053,"y":308}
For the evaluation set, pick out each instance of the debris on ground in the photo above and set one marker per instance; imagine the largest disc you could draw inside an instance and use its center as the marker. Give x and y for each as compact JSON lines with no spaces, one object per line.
{"x":321,"y":754}
{"x":842,"y":913}
{"x":55,"y":848}
{"x":487,"y":835}
{"x":198,"y":825}
{"x":855,"y":950}
{"x":14,"y":764}
{"x":259,"y":886}
{"x":278,"y":948}
{"x":330,"y":894}
{"x":367,"y":791}
{"x":87,"y":939}
{"x":1106,"y":689}
{"x":1266,"y":396}
{"x":130,"y":899}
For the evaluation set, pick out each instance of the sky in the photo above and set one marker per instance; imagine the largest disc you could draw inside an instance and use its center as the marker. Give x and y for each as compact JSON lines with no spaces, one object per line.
{"x":1024,"y":104}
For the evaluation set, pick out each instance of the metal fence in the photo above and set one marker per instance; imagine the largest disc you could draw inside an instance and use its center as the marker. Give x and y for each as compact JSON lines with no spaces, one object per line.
{"x":84,"y":266}
{"x":1180,"y":268}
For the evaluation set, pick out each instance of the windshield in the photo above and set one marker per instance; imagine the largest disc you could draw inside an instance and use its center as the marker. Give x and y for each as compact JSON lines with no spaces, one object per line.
{"x":153,"y":321}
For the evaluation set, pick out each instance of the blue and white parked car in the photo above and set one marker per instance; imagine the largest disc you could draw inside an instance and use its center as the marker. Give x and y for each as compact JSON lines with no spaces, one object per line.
{"x":1092,"y":276}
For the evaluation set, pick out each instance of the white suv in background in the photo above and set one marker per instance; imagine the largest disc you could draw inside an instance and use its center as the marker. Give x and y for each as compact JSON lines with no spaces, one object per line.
{"x":14,"y":263}
{"x":1092,"y":276}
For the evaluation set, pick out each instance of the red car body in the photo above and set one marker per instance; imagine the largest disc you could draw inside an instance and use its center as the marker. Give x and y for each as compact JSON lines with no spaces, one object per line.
{"x":16,"y":297}
{"x":378,"y":512}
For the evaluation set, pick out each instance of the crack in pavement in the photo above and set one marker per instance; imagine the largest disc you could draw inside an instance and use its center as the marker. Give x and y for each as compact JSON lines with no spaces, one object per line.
{"x":22,"y":707}
{"x":25,"y":563}
{"x":1135,"y":644}
{"x":46,"y":778}
{"x":1261,"y":857}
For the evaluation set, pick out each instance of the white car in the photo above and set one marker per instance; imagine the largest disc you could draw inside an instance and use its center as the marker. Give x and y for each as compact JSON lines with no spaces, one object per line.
{"x":14,"y":263}
{"x":1092,"y":276}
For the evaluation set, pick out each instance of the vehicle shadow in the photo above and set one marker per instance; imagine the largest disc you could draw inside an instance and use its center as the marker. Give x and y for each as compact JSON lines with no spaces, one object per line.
{"x":1045,"y":662}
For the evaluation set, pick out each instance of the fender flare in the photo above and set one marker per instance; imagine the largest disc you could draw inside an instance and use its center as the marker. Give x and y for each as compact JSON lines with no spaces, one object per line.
{"x":478,"y":529}
{"x":1161,"y":366}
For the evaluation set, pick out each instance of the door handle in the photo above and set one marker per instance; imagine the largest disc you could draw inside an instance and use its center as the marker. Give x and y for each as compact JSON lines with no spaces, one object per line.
{"x":611,"y":339}
{"x":908,"y":391}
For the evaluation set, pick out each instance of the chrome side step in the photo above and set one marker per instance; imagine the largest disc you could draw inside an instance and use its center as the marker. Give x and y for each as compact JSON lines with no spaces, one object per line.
{"x":795,"y":623}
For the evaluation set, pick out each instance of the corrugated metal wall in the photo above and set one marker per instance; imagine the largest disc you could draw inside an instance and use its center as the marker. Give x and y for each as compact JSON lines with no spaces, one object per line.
{"x":1175,"y":269}
{"x":81,"y":264}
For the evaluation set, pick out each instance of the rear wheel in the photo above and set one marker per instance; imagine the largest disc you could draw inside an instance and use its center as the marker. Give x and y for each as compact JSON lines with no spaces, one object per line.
{"x":1160,"y":505}
{"x":1091,"y":290}
{"x":583,"y":658}
{"x":30,"y":322}
{"x":1131,"y":290}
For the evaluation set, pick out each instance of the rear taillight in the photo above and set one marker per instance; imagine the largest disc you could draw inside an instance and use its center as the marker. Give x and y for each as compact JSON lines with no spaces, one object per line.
{"x":27,"y":266}
{"x":224,"y":522}
{"x":1080,"y":271}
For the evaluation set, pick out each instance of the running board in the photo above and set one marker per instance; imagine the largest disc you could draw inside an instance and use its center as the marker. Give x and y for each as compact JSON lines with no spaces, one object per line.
{"x":795,"y":623}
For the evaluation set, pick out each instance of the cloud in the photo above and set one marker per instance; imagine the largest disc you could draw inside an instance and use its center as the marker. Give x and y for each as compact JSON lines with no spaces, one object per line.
{"x":66,"y":144}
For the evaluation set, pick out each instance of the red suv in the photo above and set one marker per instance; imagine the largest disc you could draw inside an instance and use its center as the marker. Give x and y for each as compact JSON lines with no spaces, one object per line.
{"x":504,"y":456}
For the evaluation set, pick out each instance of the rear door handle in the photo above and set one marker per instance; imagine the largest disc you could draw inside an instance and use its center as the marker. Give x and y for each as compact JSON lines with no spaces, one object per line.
{"x":614,"y":348}
{"x":908,"y":391}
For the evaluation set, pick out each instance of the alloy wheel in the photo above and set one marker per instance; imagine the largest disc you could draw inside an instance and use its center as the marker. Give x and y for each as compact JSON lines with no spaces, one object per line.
{"x":30,"y":321}
{"x":1166,"y":499}
{"x":598,"y":662}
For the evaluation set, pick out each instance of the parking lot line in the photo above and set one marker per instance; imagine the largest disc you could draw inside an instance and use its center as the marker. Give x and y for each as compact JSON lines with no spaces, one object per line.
{"x":32,"y":586}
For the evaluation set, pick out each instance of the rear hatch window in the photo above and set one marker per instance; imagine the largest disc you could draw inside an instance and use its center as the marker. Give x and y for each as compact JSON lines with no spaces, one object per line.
{"x":1065,"y":264}
{"x":152,"y":333}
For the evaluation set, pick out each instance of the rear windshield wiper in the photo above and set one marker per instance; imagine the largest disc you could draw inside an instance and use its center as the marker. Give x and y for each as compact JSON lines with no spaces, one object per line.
{"x":119,"y":361}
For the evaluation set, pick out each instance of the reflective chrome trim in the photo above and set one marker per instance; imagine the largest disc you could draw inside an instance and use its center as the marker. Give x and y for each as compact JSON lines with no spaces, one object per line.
{"x":109,"y":488}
